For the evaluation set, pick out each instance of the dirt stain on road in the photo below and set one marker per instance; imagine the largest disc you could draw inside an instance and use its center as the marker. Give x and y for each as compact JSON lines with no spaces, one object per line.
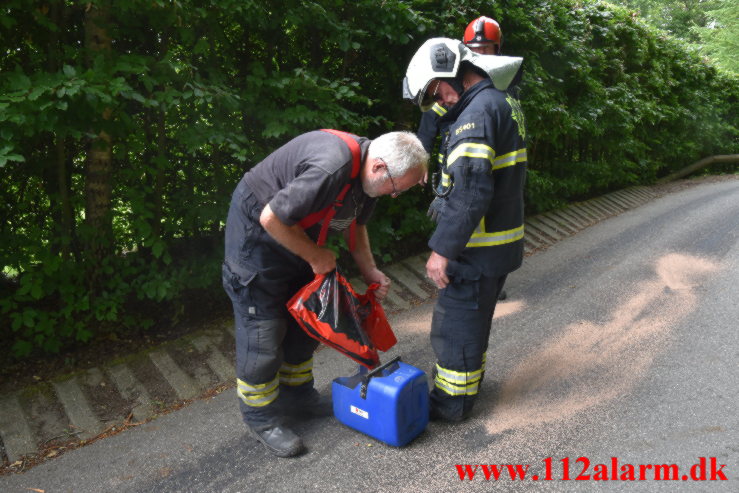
{"x":507,"y":308}
{"x":588,"y":363}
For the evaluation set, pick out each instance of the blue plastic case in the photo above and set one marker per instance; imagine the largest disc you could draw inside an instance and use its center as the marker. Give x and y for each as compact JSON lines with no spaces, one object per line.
{"x":389,"y":403}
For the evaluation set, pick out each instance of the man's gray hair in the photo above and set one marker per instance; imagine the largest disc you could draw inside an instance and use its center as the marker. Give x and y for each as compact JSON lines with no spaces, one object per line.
{"x":401,"y":151}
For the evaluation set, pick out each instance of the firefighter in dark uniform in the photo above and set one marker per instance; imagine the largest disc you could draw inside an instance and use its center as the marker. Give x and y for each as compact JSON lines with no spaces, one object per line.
{"x":482,"y":35}
{"x":478,"y":240}
{"x":269,"y":256}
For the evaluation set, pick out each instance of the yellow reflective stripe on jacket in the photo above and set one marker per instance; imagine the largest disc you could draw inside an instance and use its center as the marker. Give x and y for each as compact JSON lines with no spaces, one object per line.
{"x":485,"y":152}
{"x":466,"y":150}
{"x":509,"y":159}
{"x":458,"y":383}
{"x":258,"y":395}
{"x":438,"y":109}
{"x":482,"y":239}
{"x":296,"y":374}
{"x":471,"y":150}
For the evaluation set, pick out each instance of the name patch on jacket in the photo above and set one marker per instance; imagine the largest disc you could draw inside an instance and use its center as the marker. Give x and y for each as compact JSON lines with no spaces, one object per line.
{"x":472,"y":128}
{"x":466,"y":126}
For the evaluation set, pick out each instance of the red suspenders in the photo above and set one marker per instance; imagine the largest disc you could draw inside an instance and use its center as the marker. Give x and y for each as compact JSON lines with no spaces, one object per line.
{"x":328,"y":213}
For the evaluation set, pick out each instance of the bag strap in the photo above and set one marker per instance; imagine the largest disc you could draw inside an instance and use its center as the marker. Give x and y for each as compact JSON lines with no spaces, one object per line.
{"x":328,"y":213}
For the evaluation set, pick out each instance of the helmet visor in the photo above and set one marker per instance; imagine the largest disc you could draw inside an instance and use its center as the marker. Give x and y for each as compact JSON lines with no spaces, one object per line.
{"x":422,"y":98}
{"x":427,"y":98}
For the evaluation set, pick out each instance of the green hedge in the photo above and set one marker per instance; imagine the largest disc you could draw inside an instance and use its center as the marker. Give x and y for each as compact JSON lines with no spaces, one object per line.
{"x":126,"y":125}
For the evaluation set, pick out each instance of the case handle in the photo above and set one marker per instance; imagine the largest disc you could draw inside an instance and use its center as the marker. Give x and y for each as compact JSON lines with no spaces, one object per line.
{"x":366,"y":378}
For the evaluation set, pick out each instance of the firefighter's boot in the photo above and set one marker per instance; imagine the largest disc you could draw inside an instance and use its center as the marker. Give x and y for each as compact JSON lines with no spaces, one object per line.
{"x":278,"y":439}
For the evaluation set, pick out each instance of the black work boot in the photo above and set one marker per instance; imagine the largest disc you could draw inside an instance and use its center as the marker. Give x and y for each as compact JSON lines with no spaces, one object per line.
{"x":437,"y":413}
{"x":449,"y":409}
{"x":278,"y":439}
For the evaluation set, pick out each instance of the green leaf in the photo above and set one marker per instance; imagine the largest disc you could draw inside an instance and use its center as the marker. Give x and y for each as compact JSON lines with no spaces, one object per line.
{"x":29,"y":317}
{"x":36,"y":93}
{"x":17,"y":322}
{"x":138,"y":97}
{"x":21,"y":348}
{"x":158,"y":248}
{"x":18,"y":81}
{"x":37,"y":292}
{"x":201,"y":46}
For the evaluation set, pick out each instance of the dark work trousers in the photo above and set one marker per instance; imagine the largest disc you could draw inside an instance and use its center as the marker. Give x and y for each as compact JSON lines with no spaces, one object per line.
{"x":460,"y":329}
{"x":260,"y":276}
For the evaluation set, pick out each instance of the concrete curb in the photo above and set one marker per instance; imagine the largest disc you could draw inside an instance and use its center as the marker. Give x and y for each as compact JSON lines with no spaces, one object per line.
{"x":73,"y":406}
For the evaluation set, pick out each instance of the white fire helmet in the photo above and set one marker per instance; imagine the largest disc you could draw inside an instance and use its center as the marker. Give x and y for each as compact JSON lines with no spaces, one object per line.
{"x":440,"y":58}
{"x":436,"y":58}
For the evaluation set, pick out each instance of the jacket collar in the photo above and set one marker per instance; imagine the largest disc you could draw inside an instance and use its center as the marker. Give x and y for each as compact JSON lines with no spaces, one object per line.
{"x":465,"y":98}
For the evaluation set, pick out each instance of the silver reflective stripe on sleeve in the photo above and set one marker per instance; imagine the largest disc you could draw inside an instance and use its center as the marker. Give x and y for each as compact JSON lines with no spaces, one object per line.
{"x":509,"y":159}
{"x":483,"y":151}
{"x":482,"y":239}
{"x":471,"y":150}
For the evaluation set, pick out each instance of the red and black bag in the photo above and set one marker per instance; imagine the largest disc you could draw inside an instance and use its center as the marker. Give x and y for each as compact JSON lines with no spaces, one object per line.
{"x":329,"y":310}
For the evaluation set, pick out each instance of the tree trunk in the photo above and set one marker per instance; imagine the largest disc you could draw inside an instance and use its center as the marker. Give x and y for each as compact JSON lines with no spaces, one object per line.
{"x":161,"y":139}
{"x":698,"y":165}
{"x":159,"y":180}
{"x":57,"y":174}
{"x":98,"y":171}
{"x":99,"y":162}
{"x":65,"y":204}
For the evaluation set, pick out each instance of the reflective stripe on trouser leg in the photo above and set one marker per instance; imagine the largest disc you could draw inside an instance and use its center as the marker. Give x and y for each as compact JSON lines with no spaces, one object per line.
{"x":457,"y":383}
{"x":258,"y":395}
{"x":296,"y":372}
{"x":459,"y":336}
{"x":295,"y":375}
{"x":259,"y":356}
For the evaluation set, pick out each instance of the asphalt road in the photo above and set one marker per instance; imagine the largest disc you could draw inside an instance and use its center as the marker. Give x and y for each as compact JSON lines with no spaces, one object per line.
{"x":618,"y":345}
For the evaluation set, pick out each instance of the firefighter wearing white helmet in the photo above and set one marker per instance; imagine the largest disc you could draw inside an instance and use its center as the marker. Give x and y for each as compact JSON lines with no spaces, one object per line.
{"x":478,"y":239}
{"x":482,"y":35}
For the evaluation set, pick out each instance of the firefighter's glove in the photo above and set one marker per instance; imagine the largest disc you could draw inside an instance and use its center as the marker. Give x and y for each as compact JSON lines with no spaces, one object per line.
{"x":434,"y":211}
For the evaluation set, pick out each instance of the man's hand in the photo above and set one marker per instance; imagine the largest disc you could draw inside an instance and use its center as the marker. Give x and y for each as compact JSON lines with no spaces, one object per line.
{"x":366,"y":262}
{"x":323,"y":261}
{"x":377,"y":276}
{"x":436,"y":270}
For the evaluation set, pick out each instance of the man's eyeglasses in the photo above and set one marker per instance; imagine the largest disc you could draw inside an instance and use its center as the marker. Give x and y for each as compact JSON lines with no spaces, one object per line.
{"x":392,"y":182}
